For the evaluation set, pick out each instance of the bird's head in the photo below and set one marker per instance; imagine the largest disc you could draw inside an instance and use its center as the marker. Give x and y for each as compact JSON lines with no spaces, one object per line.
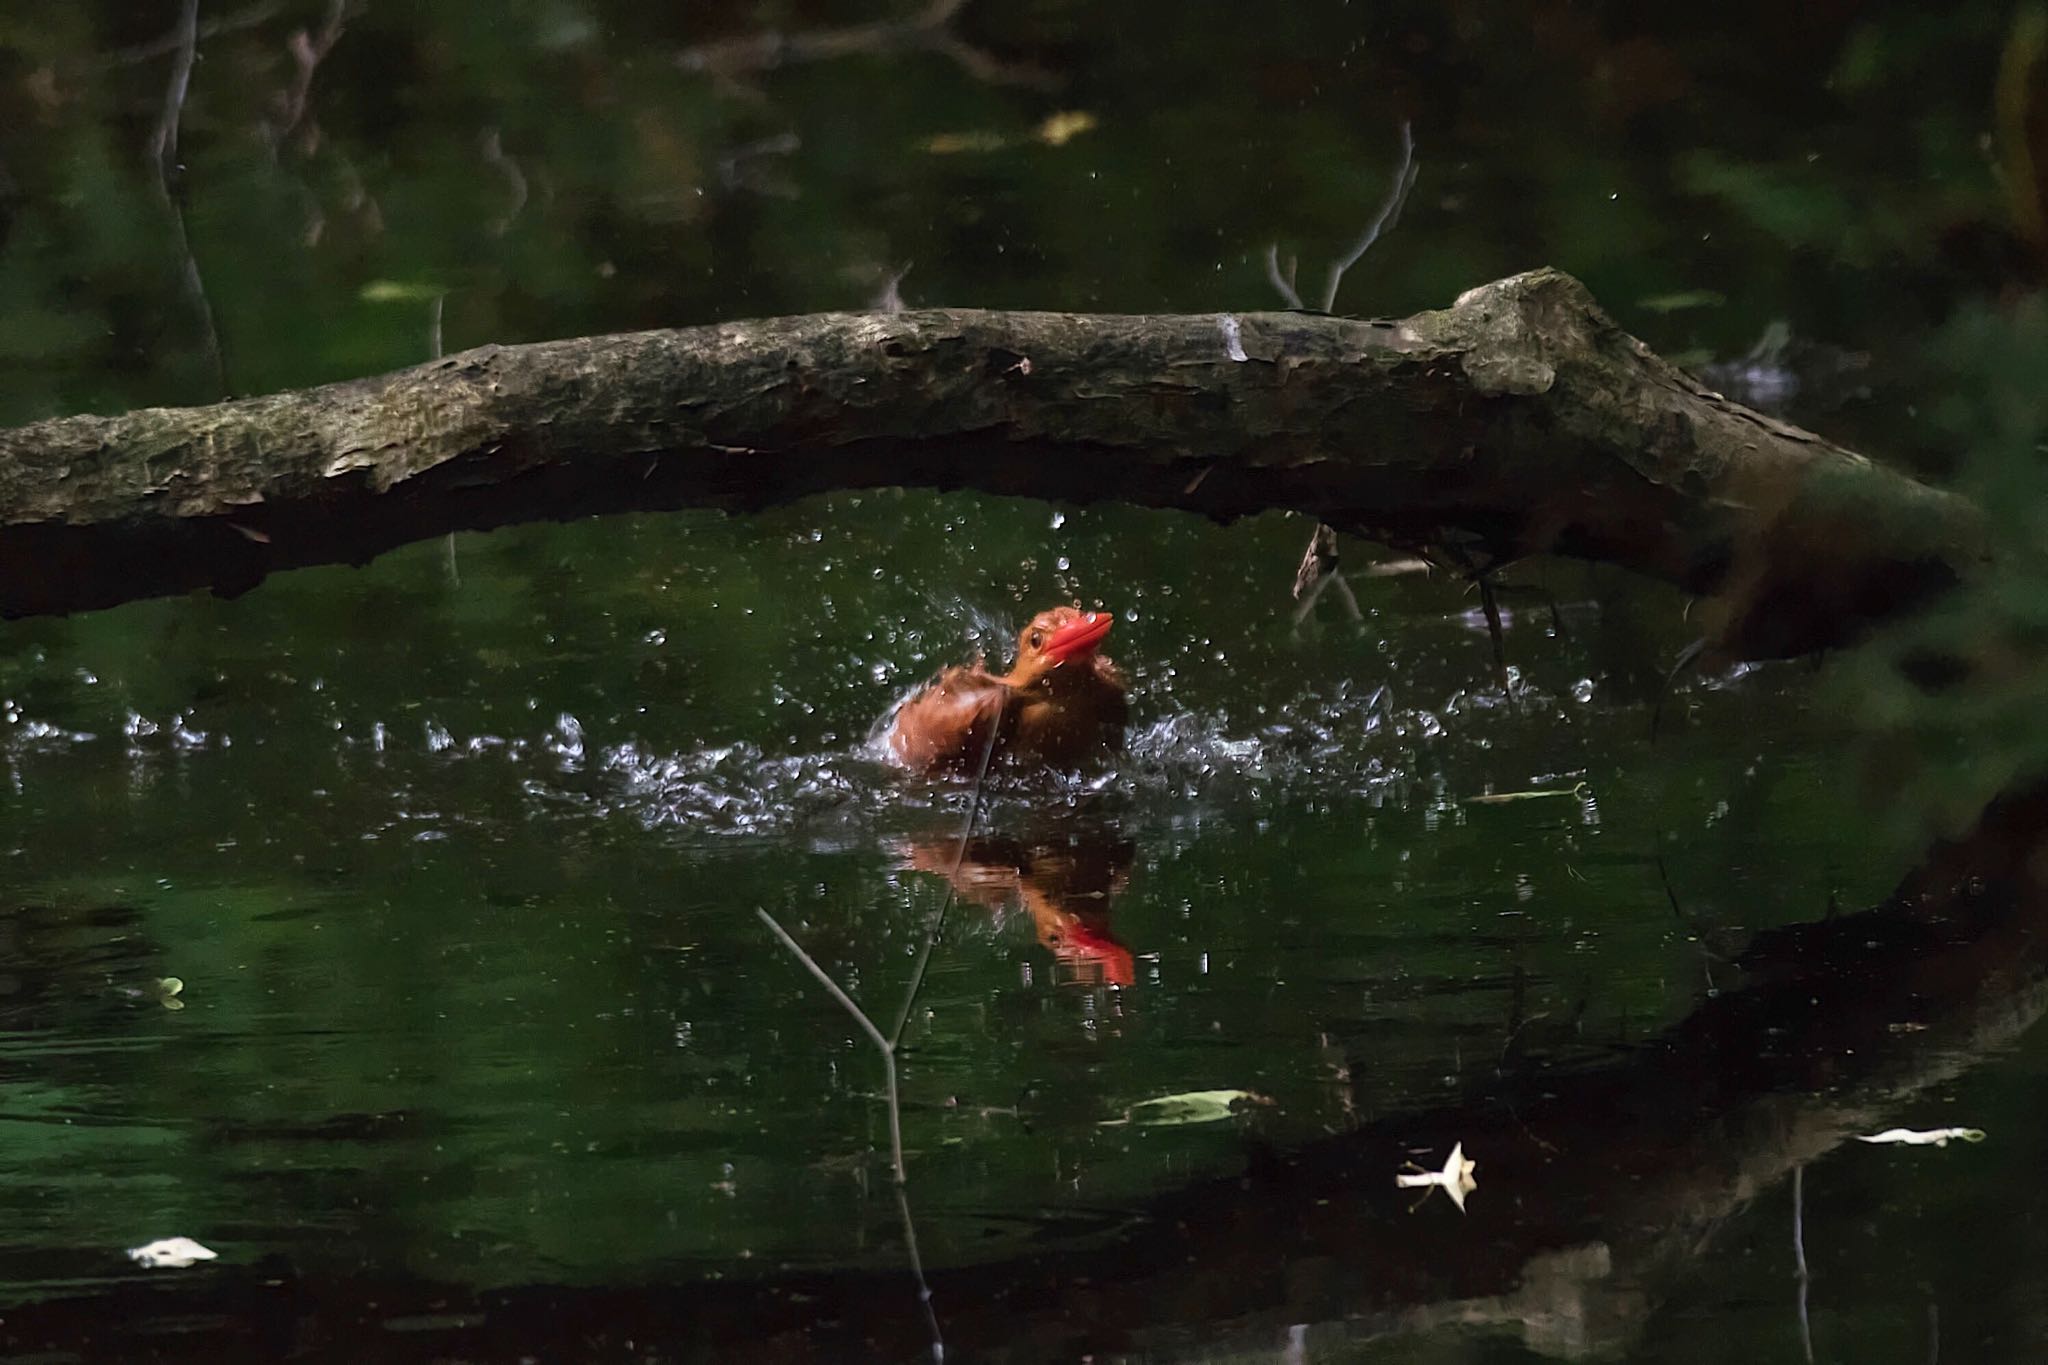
{"x":1062,"y":638}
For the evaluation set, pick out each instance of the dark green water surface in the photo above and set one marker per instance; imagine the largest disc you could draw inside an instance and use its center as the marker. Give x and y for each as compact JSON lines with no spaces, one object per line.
{"x":482,"y":1051}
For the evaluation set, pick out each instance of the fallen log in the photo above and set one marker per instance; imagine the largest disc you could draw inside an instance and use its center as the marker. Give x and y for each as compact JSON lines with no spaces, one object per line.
{"x":1521,"y":420}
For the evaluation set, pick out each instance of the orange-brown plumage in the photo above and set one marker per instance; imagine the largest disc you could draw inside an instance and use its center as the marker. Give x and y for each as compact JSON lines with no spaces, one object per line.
{"x":1066,"y":884}
{"x":1061,"y":704}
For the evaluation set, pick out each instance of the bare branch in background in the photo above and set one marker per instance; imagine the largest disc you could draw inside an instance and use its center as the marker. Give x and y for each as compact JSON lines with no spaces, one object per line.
{"x":515,"y":182}
{"x":930,"y":30}
{"x":889,"y":299}
{"x":746,"y":167}
{"x":308,"y":51}
{"x":1382,"y":223}
{"x":1389,"y":214}
{"x":1283,"y":284}
{"x":164,"y":144}
{"x":357,"y":199}
{"x":174,"y":41}
{"x":164,"y":156}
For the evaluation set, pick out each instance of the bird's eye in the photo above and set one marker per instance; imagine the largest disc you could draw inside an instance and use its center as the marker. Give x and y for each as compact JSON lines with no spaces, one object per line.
{"x":1037,"y":640}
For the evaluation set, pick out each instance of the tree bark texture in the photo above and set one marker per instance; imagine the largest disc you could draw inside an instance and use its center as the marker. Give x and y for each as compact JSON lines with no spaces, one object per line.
{"x":1520,"y":420}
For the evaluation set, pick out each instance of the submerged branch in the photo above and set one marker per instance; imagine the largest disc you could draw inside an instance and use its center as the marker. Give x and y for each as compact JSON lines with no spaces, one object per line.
{"x":1520,"y":420}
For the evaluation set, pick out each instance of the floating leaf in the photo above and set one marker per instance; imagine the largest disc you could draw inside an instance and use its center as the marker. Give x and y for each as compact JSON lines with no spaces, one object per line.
{"x":1060,"y":128}
{"x":1682,"y":300}
{"x":1192,"y":1106}
{"x":1502,"y":798}
{"x":1930,"y":1137}
{"x":1056,"y":131}
{"x":399,"y":291}
{"x":172,"y":1253}
{"x":950,"y":144}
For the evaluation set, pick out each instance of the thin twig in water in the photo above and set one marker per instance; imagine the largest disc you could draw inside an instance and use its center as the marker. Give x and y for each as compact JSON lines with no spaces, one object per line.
{"x":895,"y":1102}
{"x":1799,"y":1257}
{"x":938,"y":924}
{"x":1490,"y":604}
{"x":924,"y":1289}
{"x":1687,"y":657}
{"x":888,"y":1046}
{"x":1349,"y":598}
{"x":846,"y":1002}
{"x":1333,"y":579}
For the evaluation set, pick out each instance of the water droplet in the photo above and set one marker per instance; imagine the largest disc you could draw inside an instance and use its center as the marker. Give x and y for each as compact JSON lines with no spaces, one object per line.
{"x":566,"y":742}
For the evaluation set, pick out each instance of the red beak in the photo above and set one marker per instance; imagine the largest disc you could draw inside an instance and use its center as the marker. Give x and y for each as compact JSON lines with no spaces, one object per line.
{"x":1079,"y":639}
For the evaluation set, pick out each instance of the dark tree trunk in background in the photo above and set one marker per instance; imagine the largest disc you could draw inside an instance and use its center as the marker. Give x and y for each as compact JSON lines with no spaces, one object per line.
{"x":1520,"y":420}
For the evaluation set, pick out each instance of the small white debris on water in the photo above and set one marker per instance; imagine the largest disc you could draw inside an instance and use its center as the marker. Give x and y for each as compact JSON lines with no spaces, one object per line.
{"x":1455,"y":1177}
{"x":1233,"y":337}
{"x":172,"y":1253}
{"x":1931,"y":1137}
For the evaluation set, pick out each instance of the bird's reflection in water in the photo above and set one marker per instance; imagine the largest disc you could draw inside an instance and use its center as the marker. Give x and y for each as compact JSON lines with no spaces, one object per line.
{"x":1066,"y":877}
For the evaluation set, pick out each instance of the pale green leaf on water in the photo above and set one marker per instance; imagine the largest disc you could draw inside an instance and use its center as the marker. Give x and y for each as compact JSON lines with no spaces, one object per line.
{"x":1503,"y":798}
{"x":399,"y":291}
{"x":1681,"y":300}
{"x":169,"y":985}
{"x":1191,"y":1106}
